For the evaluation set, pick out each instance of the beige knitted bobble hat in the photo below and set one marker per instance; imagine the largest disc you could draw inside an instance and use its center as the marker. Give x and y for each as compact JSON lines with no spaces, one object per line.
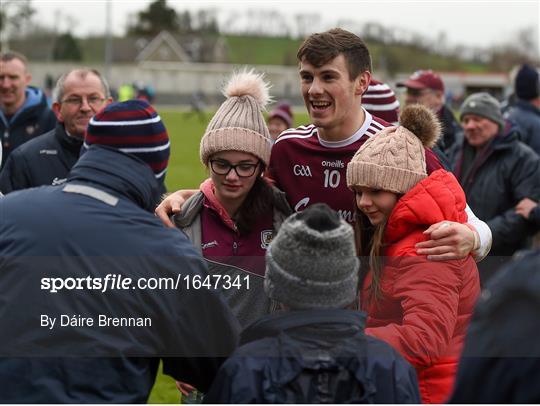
{"x":239,"y":125}
{"x":394,"y":159}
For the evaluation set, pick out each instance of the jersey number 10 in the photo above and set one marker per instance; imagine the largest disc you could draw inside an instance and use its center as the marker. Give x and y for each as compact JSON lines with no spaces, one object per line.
{"x":331,"y":178}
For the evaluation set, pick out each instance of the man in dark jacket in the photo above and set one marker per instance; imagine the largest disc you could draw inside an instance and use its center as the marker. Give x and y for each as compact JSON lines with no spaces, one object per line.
{"x":46,"y":160}
{"x":501,"y":358}
{"x":24,"y":112}
{"x":496,"y":171}
{"x":526,"y":110}
{"x":94,"y":290}
{"x":316,"y":351}
{"x":427,"y":88}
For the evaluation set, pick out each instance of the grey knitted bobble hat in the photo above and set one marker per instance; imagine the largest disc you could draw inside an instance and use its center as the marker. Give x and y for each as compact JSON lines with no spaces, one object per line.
{"x":239,"y":124}
{"x":312,"y":263}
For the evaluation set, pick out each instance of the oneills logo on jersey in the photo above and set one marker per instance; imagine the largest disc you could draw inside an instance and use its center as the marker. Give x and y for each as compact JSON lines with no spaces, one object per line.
{"x":333,"y":164}
{"x":266,"y":238}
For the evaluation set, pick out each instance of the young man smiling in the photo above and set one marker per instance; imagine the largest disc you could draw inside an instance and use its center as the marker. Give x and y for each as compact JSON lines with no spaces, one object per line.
{"x":309,"y":163}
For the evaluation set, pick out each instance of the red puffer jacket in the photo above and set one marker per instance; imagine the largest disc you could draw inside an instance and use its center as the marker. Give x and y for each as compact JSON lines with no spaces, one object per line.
{"x":425,"y":306}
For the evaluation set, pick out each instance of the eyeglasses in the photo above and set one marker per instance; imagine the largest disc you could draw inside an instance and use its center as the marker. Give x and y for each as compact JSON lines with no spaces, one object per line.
{"x":243,"y":170}
{"x":93,"y":101}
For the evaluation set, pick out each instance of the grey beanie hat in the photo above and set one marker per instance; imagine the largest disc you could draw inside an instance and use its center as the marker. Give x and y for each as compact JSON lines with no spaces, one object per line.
{"x":312,"y":262}
{"x":482,"y":104}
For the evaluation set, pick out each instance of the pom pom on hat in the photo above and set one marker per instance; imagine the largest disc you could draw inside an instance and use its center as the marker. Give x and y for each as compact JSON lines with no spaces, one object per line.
{"x":394,"y":159}
{"x":239,"y":125}
{"x":422,"y":122}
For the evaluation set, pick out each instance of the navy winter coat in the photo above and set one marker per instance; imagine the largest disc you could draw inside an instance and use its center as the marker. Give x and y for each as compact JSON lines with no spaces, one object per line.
{"x":501,"y":359}
{"x":45,"y":160}
{"x":31,"y":120}
{"x":502,"y":174}
{"x":100,"y":224}
{"x":313,"y":356}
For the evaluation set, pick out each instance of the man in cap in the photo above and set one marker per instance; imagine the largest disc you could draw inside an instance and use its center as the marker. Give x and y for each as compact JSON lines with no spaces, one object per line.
{"x":95,"y":290}
{"x":427,"y":88}
{"x":496,"y":171}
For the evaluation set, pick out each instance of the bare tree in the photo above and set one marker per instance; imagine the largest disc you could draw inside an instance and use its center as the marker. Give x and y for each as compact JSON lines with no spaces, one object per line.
{"x":14,"y":16}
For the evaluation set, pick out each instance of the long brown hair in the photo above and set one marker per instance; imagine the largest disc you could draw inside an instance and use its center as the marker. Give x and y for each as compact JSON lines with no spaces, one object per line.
{"x":258,"y":202}
{"x":369,"y":241}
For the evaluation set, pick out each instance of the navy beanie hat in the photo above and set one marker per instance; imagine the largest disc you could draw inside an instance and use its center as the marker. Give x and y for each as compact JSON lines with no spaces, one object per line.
{"x":133,"y":127}
{"x":527,"y":84}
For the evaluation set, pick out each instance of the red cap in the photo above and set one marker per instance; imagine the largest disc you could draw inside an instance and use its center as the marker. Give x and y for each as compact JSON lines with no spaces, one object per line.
{"x":424,"y":79}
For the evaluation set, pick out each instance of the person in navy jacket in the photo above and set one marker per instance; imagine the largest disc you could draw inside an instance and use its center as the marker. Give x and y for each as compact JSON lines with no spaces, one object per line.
{"x":94,"y":289}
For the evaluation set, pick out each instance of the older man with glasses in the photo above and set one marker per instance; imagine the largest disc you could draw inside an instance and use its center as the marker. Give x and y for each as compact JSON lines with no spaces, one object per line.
{"x":46,"y":160}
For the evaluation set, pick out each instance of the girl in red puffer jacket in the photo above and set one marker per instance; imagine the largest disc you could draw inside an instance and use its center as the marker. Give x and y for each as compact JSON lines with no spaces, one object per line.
{"x":422,"y":308}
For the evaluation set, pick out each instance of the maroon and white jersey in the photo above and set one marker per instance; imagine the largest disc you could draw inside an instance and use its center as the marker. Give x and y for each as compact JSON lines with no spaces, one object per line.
{"x":311,"y":170}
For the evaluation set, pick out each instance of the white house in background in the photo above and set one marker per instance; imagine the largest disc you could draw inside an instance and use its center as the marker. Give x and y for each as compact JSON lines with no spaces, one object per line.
{"x":163,"y":48}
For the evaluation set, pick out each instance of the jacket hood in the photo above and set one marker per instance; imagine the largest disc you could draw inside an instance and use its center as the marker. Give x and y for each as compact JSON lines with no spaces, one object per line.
{"x":118,"y":172}
{"x":35,"y":99}
{"x":436,"y":198}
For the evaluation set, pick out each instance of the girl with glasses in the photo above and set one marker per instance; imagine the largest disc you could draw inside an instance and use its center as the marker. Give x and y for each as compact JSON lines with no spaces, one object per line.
{"x":234,"y":216}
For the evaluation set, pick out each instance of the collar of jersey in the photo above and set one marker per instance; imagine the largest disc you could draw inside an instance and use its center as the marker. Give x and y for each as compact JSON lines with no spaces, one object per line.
{"x":352,"y":139}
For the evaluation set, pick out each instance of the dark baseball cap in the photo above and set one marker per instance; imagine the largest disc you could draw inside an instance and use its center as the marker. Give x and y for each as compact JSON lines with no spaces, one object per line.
{"x":423,"y":79}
